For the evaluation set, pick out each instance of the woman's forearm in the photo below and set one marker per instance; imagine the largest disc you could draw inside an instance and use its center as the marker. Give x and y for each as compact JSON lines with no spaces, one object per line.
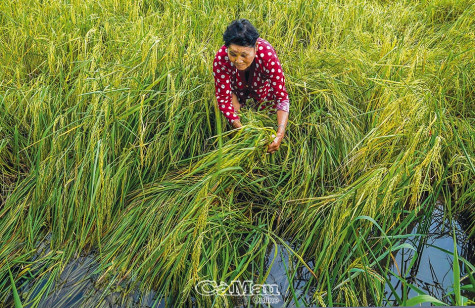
{"x":282,"y":118}
{"x":237,"y":107}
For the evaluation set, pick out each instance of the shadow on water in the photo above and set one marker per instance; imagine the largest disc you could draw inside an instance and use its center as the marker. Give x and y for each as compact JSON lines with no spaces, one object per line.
{"x":431,"y":272}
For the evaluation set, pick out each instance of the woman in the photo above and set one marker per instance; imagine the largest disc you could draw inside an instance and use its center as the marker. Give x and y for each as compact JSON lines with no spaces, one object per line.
{"x":247,"y":67}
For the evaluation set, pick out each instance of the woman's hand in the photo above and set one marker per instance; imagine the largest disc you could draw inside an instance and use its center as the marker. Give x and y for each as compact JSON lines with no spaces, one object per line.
{"x":282,"y":118}
{"x":237,"y":124}
{"x":274,"y":146}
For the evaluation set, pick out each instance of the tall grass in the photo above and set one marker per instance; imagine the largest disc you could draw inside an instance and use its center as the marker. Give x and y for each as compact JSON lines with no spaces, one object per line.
{"x":110,"y":141}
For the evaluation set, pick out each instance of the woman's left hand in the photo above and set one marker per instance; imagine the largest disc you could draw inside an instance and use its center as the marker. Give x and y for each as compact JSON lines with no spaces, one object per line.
{"x":274,"y":146}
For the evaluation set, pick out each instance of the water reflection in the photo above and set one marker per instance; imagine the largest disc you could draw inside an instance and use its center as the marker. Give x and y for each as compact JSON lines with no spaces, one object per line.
{"x":432,"y":271}
{"x":76,"y":286}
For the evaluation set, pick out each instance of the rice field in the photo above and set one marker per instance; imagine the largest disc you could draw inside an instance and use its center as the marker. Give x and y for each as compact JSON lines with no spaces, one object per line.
{"x":112,"y":148}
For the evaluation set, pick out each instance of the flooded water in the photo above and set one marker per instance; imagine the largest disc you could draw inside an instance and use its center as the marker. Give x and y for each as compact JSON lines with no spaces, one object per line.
{"x":431,"y":272}
{"x":76,"y":286}
{"x":299,"y":294}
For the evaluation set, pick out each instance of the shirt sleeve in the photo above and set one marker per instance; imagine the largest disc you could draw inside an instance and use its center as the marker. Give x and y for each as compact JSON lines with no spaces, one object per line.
{"x":222,"y":81}
{"x":275,"y":73}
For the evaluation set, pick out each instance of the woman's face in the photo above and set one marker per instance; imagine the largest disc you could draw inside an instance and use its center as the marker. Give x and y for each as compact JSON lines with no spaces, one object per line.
{"x":241,"y":56}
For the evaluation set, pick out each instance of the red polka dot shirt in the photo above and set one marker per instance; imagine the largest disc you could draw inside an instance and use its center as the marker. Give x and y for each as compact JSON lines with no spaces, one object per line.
{"x":265,"y":84}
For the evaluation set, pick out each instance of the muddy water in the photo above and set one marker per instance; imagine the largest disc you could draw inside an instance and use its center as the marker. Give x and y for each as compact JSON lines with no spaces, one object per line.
{"x":431,"y":272}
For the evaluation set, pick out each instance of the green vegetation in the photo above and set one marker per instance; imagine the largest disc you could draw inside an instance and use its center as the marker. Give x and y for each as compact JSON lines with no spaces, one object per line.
{"x":111,"y":143}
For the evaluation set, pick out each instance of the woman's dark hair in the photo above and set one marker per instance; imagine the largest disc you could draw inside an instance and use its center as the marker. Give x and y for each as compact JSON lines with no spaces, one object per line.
{"x":240,"y":32}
